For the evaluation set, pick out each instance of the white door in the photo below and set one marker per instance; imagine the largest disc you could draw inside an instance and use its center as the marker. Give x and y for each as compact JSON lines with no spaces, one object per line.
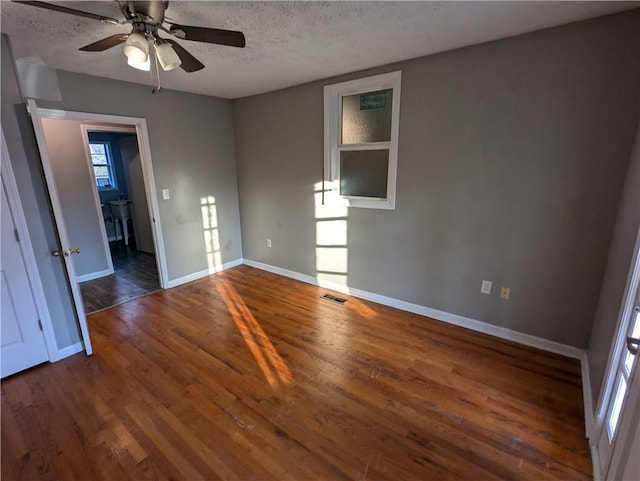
{"x":620,"y":399}
{"x":631,"y":470}
{"x":22,"y":340}
{"x":66,"y":250}
{"x":625,"y":459}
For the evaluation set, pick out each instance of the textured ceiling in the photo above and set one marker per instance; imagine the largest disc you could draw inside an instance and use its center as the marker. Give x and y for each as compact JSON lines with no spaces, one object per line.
{"x":288,"y":43}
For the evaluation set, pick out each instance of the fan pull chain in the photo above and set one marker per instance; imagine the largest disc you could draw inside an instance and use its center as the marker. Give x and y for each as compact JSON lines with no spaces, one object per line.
{"x":158,"y":89}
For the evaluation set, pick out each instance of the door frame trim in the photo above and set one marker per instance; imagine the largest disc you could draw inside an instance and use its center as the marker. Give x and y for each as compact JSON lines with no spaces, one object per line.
{"x":140,"y":125}
{"x":626,"y":430}
{"x":15,"y":205}
{"x":99,"y":213}
{"x":618,"y":347}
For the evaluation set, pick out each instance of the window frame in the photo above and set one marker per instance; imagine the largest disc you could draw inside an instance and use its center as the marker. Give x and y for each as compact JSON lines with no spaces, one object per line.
{"x":333,"y":95}
{"x":109,"y":165}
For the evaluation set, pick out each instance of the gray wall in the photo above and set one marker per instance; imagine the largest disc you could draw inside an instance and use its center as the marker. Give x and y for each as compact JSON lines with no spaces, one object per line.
{"x":192,"y":149}
{"x":25,"y":161}
{"x":68,"y":157}
{"x":615,"y":279}
{"x":132,"y":166}
{"x":512,"y":157}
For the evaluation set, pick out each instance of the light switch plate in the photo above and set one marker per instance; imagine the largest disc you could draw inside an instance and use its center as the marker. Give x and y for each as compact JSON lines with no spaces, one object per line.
{"x":165,"y":194}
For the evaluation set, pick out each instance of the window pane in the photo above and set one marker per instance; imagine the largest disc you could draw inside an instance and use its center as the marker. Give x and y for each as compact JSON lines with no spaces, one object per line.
{"x":97,"y":148}
{"x":102,"y":176}
{"x":635,"y":321}
{"x":628,"y":362}
{"x":101,"y":171}
{"x":363,"y":173}
{"x":99,"y":159}
{"x":367,"y":117}
{"x":614,"y":416}
{"x":103,"y":183}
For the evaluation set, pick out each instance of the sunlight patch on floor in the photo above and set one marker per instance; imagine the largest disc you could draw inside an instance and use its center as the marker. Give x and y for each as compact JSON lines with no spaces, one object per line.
{"x":271,"y":364}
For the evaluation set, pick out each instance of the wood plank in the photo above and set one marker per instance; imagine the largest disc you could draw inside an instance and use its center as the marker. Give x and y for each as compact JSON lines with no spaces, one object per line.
{"x":249,"y":375}
{"x":135,"y":275}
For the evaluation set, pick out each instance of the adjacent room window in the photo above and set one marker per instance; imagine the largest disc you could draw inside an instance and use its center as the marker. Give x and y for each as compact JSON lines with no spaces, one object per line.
{"x":361,"y":122}
{"x":102,"y":165}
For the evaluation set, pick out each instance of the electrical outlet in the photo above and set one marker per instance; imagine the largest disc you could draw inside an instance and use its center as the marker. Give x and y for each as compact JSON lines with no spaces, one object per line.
{"x":486,"y":287}
{"x":505,"y":293}
{"x":268,"y":242}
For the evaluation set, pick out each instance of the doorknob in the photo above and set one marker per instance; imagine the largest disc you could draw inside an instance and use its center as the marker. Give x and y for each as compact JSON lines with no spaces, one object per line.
{"x":632,"y":344}
{"x":71,"y":250}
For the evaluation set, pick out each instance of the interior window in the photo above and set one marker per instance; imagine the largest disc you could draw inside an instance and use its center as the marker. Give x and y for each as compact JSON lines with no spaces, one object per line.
{"x":361,"y":141}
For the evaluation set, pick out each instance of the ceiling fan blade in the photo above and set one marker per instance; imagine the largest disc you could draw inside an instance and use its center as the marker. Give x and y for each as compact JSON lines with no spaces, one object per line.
{"x":105,"y":43}
{"x":72,"y":11}
{"x":189,"y":62}
{"x":209,"y":35}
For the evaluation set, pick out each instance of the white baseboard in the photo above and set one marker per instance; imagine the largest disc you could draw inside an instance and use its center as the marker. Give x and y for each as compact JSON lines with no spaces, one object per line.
{"x":595,"y":461}
{"x":94,"y":275}
{"x":588,"y":417}
{"x":69,"y":350}
{"x":586,"y":394}
{"x":473,"y":324}
{"x":204,"y":273}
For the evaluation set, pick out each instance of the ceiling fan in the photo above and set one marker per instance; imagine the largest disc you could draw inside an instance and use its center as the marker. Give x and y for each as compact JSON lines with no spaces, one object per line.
{"x":147,"y":19}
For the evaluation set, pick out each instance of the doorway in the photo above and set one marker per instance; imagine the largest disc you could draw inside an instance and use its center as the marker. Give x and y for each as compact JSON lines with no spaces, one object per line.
{"x":115,"y":166}
{"x":84,"y":196}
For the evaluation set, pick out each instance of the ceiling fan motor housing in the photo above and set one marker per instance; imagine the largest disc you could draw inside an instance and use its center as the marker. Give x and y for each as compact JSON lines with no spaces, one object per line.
{"x":153,"y":12}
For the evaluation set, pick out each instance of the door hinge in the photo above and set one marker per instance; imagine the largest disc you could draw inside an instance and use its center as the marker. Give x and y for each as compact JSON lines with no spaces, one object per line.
{"x":15,"y":232}
{"x":40,"y":324}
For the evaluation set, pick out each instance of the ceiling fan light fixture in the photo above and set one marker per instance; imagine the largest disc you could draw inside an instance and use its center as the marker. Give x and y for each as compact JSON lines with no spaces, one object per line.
{"x":146,"y":66}
{"x":167,"y":56}
{"x":136,"y":48}
{"x":147,"y":19}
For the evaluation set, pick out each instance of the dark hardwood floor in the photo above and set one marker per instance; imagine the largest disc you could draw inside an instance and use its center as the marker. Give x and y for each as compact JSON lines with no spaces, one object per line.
{"x":136,"y":275}
{"x":247,"y":375}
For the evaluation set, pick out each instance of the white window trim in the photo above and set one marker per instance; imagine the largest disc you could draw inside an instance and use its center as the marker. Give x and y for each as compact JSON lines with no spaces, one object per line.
{"x":109,"y":165}
{"x":332,"y":128}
